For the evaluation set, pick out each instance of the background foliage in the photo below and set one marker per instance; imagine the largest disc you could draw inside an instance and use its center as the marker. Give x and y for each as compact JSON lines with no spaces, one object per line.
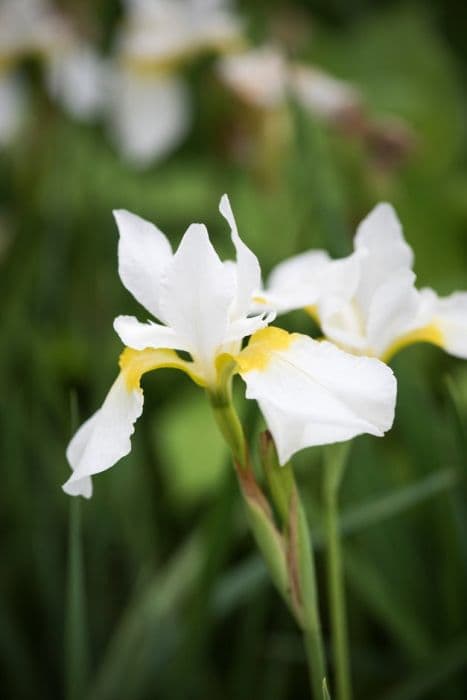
{"x":177,"y":602}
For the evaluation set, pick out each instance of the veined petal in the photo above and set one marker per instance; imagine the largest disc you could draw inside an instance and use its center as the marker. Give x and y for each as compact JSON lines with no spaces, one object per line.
{"x":139,"y":336}
{"x":143,"y":254}
{"x":312,"y":393}
{"x":380,"y":235}
{"x":248,"y":269}
{"x":196,"y":297}
{"x":296,"y":282}
{"x":105,"y":437}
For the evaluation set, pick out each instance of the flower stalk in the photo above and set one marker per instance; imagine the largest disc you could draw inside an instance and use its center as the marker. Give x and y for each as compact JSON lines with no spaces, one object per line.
{"x":300,"y":561}
{"x":335,"y":463}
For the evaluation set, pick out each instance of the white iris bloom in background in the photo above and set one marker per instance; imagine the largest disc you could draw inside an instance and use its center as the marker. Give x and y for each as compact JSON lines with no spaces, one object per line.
{"x":368,"y":303}
{"x":73,"y":71}
{"x":149,"y":105}
{"x":309,"y":392}
{"x":76,"y":78}
{"x":262,"y":77}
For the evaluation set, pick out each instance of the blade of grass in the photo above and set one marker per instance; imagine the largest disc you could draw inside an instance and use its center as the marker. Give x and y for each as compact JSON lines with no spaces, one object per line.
{"x":375,"y":511}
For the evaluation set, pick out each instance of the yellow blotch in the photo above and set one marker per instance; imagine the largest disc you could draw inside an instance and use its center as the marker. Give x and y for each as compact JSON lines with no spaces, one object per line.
{"x":258,"y":353}
{"x":259,"y":300}
{"x":428,"y":334}
{"x":134,"y":363}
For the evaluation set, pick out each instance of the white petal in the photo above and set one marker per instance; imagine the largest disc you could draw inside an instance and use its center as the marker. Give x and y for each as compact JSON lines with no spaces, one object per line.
{"x":243,"y":327}
{"x":143,"y":254}
{"x":105,"y":437}
{"x":450,"y":317}
{"x":341,"y":318}
{"x":248,"y":269}
{"x":312,"y":393}
{"x":394,"y":307}
{"x":258,"y":77}
{"x":296,"y":282}
{"x":380,"y":234}
{"x":197,"y":296}
{"x":322,"y":94}
{"x":76,"y":79}
{"x":149,"y":115}
{"x":139,"y":336}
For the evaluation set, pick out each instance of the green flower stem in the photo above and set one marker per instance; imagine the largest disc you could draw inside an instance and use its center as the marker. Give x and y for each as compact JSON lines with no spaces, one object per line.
{"x":335,"y":463}
{"x":311,"y":622}
{"x":301,"y":567}
{"x":268,"y":538}
{"x":229,"y":424}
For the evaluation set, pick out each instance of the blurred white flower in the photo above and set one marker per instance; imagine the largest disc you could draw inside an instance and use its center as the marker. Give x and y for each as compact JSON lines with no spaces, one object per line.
{"x":148,"y":115}
{"x":149,"y":107}
{"x":322,"y":94}
{"x":264,"y":78}
{"x":368,"y":303}
{"x":258,"y":77}
{"x":310,"y":393}
{"x":77,"y":79}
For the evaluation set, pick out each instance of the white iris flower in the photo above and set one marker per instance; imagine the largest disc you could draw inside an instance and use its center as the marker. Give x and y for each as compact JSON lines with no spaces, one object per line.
{"x":310,"y":393}
{"x":149,"y":105}
{"x":367,"y":303}
{"x":263,"y":77}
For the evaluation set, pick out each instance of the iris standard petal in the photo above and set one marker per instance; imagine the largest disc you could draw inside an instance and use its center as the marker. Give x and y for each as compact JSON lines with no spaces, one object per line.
{"x":312,"y":393}
{"x":248,"y":269}
{"x":380,"y":235}
{"x":143,"y":254}
{"x":196,"y":297}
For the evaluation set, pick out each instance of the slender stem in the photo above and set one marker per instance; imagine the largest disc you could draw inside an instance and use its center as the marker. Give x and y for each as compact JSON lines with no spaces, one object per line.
{"x":311,"y":621}
{"x":75,"y":632}
{"x":334,"y":470}
{"x":229,"y":423}
{"x":288,"y":556}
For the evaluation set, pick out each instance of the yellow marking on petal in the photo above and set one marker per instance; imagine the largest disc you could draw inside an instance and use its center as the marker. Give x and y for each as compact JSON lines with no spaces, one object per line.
{"x":258,"y":353}
{"x":428,"y":334}
{"x":135,"y":363}
{"x":259,"y":300}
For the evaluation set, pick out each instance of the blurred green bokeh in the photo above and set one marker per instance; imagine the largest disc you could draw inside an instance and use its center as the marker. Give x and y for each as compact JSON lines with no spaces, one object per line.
{"x":177,"y":602}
